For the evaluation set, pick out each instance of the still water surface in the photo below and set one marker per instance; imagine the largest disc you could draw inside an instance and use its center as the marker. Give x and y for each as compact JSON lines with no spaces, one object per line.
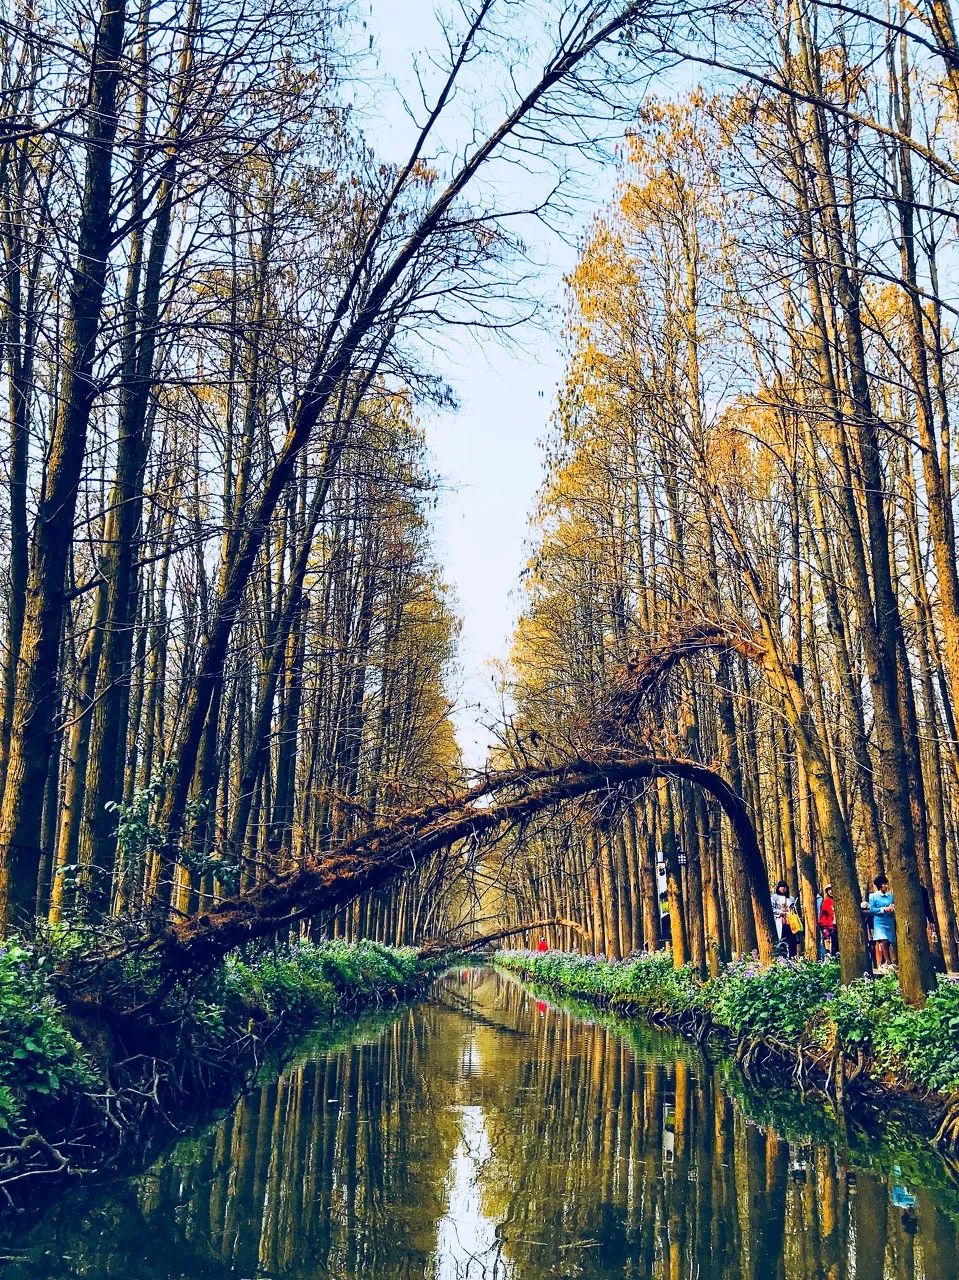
{"x":486,"y":1135}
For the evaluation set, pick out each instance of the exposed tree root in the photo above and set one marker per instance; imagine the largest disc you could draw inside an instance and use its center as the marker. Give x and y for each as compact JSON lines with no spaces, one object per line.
{"x":157,"y":1083}
{"x":947,"y":1134}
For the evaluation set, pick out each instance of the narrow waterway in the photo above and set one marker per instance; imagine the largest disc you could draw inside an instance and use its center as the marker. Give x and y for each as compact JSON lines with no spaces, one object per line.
{"x":486,"y":1135}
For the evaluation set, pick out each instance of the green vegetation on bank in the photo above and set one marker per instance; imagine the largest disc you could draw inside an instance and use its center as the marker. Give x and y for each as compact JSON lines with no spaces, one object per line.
{"x":798,"y":1006}
{"x":268,"y":998}
{"x":40,"y":1061}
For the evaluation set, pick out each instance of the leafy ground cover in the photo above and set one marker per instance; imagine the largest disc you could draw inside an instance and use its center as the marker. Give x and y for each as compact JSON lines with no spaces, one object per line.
{"x":40,"y":1061}
{"x":799,"y":1005}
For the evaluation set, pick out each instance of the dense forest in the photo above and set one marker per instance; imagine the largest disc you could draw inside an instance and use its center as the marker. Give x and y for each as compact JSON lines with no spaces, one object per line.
{"x":751,"y":464}
{"x":227,"y":641}
{"x":247,"y":859}
{"x":224,"y":623}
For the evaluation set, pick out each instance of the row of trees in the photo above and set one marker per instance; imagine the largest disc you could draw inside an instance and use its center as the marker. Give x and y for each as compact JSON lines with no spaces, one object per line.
{"x":225,"y":641}
{"x":226,"y":644}
{"x":752,"y":461}
{"x":168,"y":270}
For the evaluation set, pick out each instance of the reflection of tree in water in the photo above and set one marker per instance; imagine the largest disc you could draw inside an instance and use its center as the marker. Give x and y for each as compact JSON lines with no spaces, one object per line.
{"x":336,"y":1169}
{"x":608,"y":1163}
{"x":486,"y":1137}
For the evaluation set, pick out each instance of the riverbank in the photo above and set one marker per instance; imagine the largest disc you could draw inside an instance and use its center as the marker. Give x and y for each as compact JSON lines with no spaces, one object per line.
{"x":479,"y":1129}
{"x":794,"y":1017}
{"x":75,"y":1096}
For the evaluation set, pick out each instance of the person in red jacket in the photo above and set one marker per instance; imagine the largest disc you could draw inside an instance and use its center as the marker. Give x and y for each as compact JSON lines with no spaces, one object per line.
{"x":541,"y":945}
{"x":827,"y":921}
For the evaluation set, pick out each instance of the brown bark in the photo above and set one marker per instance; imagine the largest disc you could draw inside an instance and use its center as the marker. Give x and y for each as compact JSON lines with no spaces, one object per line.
{"x":640,"y":688}
{"x":332,"y":369}
{"x":38,"y":685}
{"x":503,"y":800}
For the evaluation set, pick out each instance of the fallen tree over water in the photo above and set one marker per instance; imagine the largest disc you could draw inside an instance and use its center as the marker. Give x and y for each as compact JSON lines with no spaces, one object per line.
{"x":637,"y":699}
{"x":614,"y":759}
{"x":504,"y":800}
{"x":129,"y":998}
{"x":636,"y":702}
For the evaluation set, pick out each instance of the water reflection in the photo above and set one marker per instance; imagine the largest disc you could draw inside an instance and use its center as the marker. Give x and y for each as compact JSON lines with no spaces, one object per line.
{"x":485,"y":1136}
{"x":467,"y":1242}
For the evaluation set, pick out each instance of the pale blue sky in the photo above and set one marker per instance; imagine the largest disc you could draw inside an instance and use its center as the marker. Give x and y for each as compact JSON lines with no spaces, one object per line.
{"x":487,"y":451}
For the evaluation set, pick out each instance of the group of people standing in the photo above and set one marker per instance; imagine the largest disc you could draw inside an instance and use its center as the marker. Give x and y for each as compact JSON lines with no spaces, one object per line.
{"x":878,"y":907}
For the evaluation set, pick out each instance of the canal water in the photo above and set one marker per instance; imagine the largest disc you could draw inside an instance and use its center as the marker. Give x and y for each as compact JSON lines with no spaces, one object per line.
{"x":485,"y":1134}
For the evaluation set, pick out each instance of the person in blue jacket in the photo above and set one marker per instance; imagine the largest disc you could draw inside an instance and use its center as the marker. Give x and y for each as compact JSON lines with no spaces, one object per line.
{"x":881,"y":909}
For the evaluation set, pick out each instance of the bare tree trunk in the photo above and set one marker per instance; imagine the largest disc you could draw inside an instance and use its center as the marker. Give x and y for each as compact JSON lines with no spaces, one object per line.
{"x":37,"y":688}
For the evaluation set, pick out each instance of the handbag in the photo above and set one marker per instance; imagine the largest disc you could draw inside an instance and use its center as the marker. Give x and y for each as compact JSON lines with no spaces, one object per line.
{"x":792,"y":919}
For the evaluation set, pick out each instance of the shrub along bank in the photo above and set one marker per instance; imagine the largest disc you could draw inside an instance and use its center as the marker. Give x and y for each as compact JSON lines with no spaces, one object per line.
{"x":71,"y":1097}
{"x":795,"y":1013}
